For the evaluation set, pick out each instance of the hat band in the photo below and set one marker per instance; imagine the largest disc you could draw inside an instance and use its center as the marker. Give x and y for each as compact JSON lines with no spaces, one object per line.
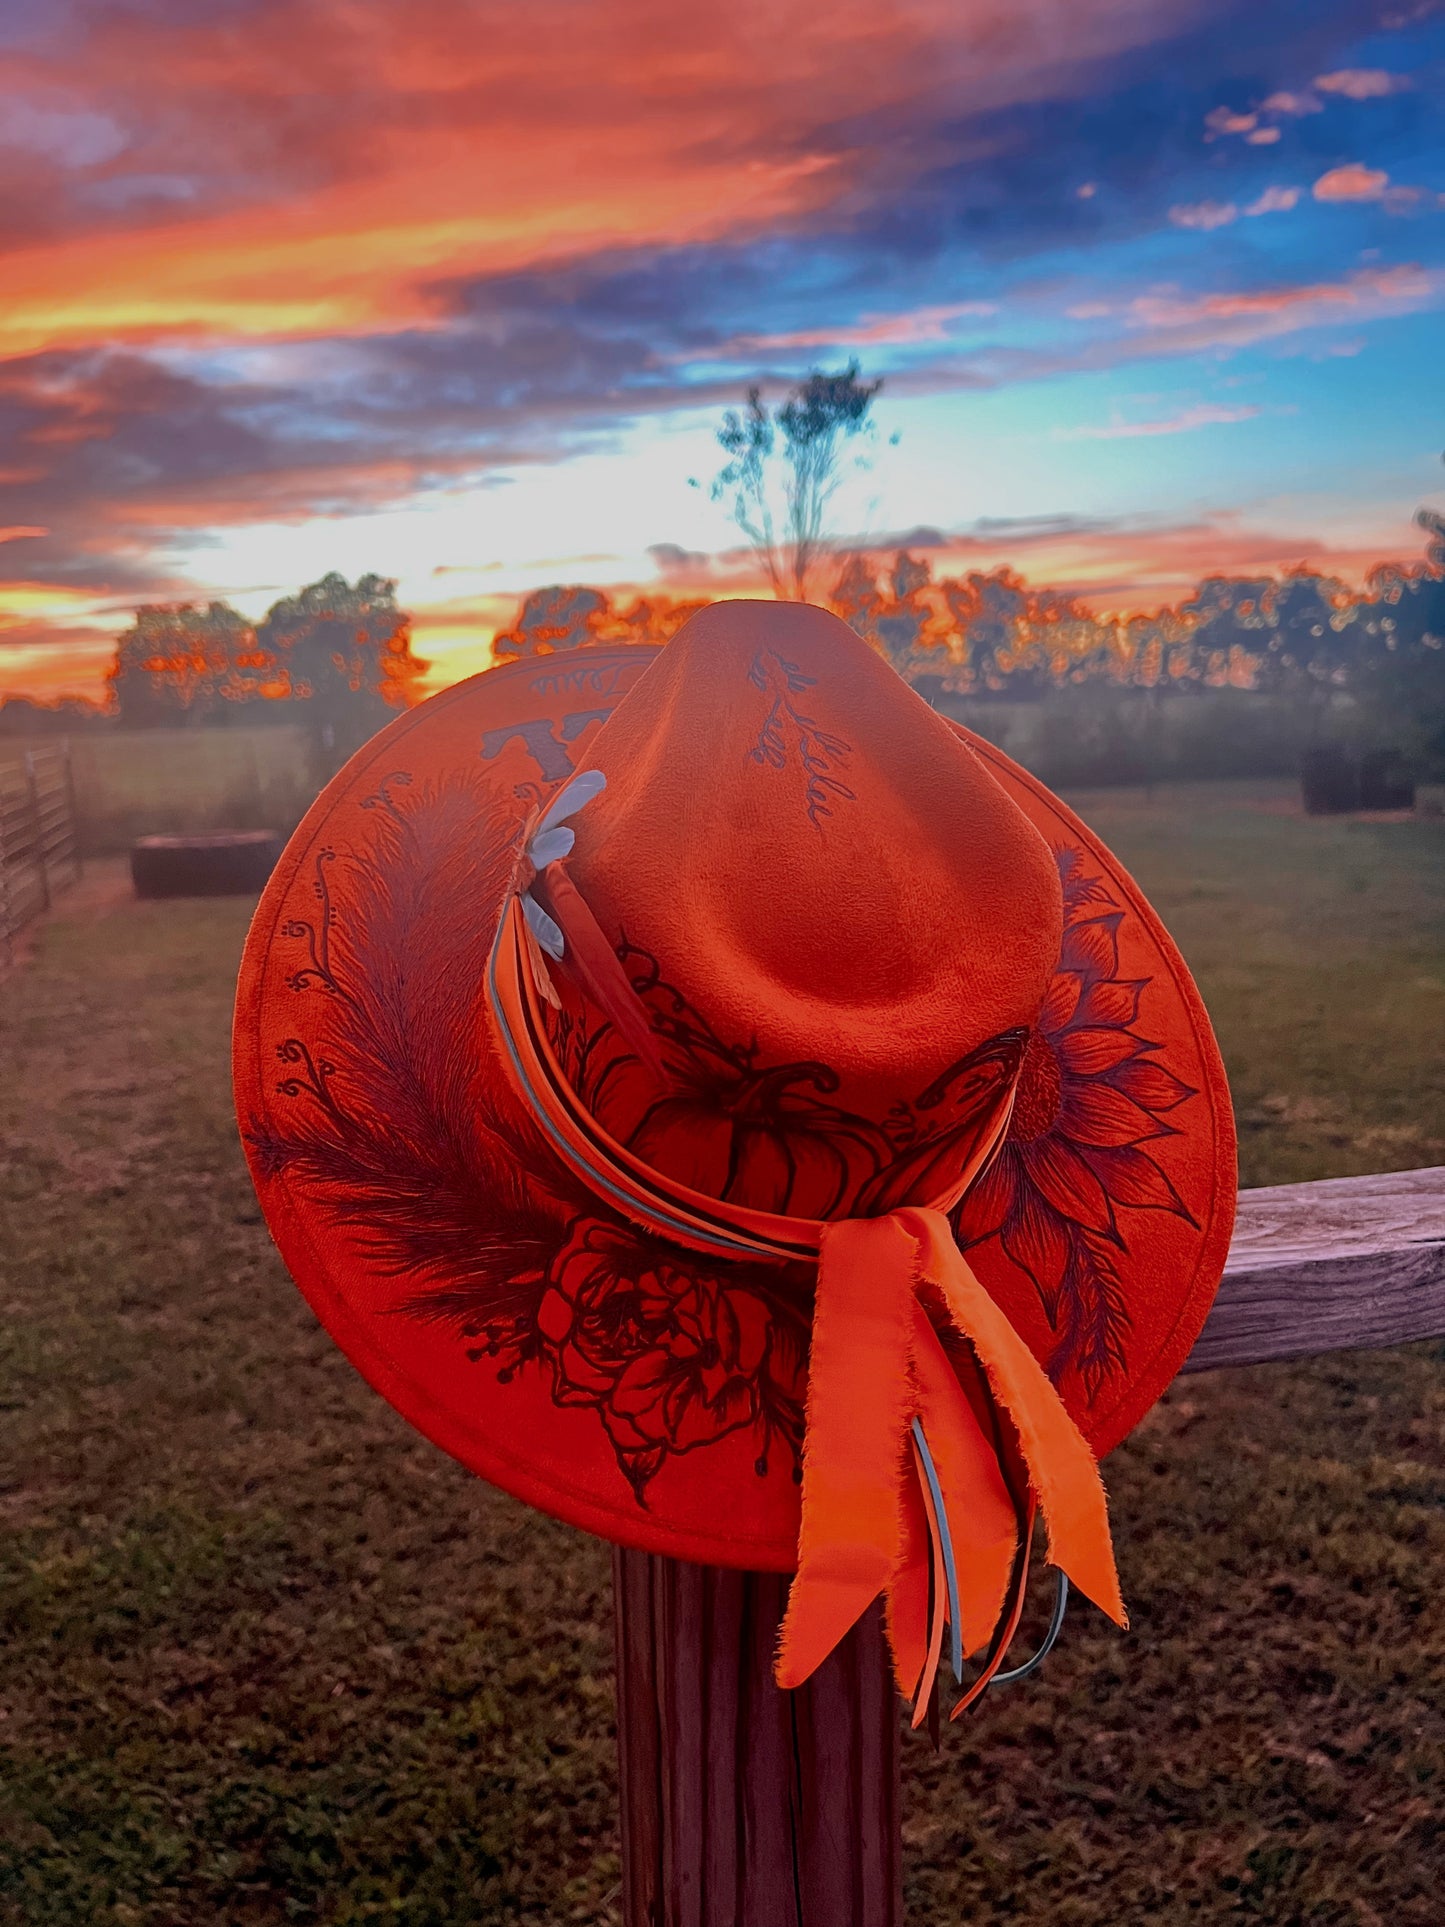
{"x":942,"y":1534}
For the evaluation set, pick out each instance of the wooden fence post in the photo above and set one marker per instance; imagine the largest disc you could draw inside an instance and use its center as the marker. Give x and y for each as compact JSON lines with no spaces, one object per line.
{"x":39,"y":848}
{"x":746,"y":1807}
{"x":7,"y":934}
{"x":72,"y":815}
{"x":37,"y":829}
{"x":743,"y":1806}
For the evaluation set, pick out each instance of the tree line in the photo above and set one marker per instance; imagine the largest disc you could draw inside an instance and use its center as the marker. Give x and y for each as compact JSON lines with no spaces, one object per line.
{"x":338,"y":656}
{"x":1308,"y":640}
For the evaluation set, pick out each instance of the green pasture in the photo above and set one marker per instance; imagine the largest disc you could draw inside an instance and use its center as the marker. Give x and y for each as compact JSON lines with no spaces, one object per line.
{"x":266,"y":1656}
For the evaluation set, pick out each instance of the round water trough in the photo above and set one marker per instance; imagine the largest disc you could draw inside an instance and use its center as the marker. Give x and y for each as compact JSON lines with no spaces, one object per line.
{"x":231,"y":863}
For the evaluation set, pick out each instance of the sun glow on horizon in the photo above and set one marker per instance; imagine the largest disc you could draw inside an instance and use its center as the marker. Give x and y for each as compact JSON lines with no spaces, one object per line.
{"x":461,"y":321}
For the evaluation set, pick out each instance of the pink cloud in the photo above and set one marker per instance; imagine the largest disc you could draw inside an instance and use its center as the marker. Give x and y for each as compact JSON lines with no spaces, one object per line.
{"x":1223,"y":120}
{"x":1202,"y":415}
{"x":1165,"y":323}
{"x":1263,"y":137}
{"x":1352,"y":183}
{"x":1204,"y":214}
{"x":1274,"y":200}
{"x":1232,"y":319}
{"x":1294,"y":104}
{"x":1360,"y":83}
{"x":872,"y":331}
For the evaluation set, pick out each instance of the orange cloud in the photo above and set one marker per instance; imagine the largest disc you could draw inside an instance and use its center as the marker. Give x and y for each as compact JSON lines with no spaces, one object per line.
{"x":54,"y":640}
{"x":1351,"y":183}
{"x":1129,"y":571}
{"x":48,"y":661}
{"x":449,"y":140}
{"x":363,"y":259}
{"x":21,"y":601}
{"x":1167,"y":322}
{"x":1293,"y":104}
{"x":1222,"y":120}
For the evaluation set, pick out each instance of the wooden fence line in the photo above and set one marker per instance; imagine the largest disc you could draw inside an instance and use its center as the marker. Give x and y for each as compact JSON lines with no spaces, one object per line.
{"x":1337,"y":1265}
{"x":38,"y":843}
{"x":746,"y":1807}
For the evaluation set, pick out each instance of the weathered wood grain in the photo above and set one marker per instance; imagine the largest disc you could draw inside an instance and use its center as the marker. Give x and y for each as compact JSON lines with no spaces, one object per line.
{"x":1341,"y":1264}
{"x":746,"y":1807}
{"x":38,"y":838}
{"x":743,"y":1806}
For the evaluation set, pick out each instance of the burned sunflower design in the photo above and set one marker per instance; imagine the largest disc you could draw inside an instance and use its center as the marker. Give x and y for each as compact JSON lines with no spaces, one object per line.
{"x":1093,"y":1097}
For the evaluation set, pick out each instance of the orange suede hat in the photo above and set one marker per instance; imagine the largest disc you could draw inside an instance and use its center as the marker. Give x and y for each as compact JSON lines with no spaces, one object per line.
{"x":741,"y":1113}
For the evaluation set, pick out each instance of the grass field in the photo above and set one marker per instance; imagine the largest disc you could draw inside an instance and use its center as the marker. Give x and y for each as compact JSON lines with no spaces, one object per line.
{"x":269,"y":1657}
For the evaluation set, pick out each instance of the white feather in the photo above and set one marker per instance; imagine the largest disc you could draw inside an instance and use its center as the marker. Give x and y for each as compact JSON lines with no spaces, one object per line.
{"x":581,"y":790}
{"x":547,"y":933}
{"x":548,"y":845}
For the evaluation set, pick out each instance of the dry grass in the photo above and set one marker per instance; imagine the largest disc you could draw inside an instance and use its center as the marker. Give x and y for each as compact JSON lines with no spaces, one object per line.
{"x":270,"y":1657}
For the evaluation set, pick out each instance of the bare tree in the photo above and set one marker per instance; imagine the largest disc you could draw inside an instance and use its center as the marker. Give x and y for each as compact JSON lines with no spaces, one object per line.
{"x":790,"y":460}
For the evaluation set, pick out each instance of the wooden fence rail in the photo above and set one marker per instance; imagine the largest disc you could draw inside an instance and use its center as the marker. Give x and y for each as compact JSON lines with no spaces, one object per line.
{"x":746,"y":1807}
{"x":38,"y":845}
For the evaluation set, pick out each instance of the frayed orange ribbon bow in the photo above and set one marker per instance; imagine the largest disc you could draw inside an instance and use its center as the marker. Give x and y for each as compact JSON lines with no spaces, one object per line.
{"x":888,"y":1287}
{"x":877,"y":1360}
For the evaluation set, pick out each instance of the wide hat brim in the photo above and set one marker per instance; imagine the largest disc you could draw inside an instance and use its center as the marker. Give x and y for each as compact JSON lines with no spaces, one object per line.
{"x":625,"y":1386}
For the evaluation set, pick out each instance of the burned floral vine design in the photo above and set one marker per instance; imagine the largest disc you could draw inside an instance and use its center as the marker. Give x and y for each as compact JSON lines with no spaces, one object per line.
{"x":313,"y":1078}
{"x":417,"y":1150}
{"x":820,"y":752}
{"x":382,"y":798}
{"x":316,"y":936}
{"x":1092,"y":1094}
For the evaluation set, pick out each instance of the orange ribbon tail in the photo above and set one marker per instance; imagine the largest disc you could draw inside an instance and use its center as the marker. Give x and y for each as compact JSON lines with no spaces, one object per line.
{"x":1063,"y":1472}
{"x":854,"y":1443}
{"x":869,"y":1524}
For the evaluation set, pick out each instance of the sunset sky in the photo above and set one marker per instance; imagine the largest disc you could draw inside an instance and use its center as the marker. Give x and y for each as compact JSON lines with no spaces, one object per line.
{"x":458,"y":292}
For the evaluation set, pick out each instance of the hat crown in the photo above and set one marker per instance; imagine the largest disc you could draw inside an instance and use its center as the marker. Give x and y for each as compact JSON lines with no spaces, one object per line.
{"x":807,"y":856}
